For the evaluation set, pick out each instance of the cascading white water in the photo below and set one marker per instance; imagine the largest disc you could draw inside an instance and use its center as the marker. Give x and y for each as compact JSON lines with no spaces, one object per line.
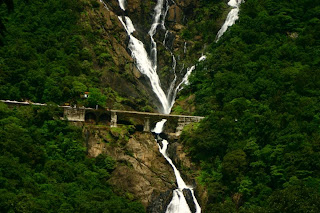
{"x":152,"y":32}
{"x":231,"y":18}
{"x":202,"y":58}
{"x":165,"y":38}
{"x":147,"y":65}
{"x":185,"y":80}
{"x":178,"y":203}
{"x":122,"y":4}
{"x":144,"y":63}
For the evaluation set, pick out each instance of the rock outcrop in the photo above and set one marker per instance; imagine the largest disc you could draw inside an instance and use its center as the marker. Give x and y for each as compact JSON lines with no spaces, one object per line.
{"x":188,"y":172}
{"x":160,"y":203}
{"x":169,"y":40}
{"x":141,"y":170}
{"x":114,"y":67}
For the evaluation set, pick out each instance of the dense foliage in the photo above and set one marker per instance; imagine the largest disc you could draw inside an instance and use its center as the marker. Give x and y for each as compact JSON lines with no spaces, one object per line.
{"x":50,"y":52}
{"x":259,"y":147}
{"x":44,"y":168}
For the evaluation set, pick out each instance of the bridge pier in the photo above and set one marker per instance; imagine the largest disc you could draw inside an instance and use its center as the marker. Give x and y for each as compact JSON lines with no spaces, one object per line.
{"x":183,"y":121}
{"x":74,"y":114}
{"x":146,"y":126}
{"x":114,"y":118}
{"x":94,"y":116}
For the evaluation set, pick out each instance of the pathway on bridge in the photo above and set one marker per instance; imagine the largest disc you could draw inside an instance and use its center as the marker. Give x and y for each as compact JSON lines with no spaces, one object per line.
{"x":79,"y":114}
{"x":25,"y":103}
{"x":156,"y":114}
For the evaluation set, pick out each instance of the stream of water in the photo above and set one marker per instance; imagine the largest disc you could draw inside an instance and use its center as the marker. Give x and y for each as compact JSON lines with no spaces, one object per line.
{"x":232,"y":17}
{"x":122,"y":4}
{"x":146,"y":62}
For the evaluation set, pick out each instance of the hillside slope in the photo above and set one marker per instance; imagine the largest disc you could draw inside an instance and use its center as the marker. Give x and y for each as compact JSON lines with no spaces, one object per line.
{"x":57,"y":50}
{"x":258,"y":148}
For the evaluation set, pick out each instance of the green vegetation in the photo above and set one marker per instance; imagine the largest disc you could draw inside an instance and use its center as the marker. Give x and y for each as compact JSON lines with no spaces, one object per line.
{"x":259,"y":88}
{"x":55,"y":51}
{"x":206,"y":19}
{"x":40,"y":55}
{"x":96,"y":98}
{"x":51,"y":51}
{"x":44,"y":168}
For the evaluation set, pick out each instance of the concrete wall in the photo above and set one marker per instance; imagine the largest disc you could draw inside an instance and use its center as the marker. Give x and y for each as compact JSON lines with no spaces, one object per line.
{"x":74,"y":114}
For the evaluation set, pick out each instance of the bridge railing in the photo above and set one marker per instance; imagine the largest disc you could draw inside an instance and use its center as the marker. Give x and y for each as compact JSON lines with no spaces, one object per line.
{"x":78,"y":114}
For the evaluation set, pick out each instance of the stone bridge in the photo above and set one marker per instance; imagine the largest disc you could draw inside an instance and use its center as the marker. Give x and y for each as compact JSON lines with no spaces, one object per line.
{"x":142,"y":120}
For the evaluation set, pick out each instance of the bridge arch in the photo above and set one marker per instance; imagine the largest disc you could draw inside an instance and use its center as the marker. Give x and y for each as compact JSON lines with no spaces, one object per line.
{"x":104,"y":118}
{"x":91,"y":118}
{"x":139,"y":127}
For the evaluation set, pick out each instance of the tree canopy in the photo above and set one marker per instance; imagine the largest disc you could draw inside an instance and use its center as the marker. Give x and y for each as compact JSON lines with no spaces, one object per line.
{"x":44,"y":168}
{"x":259,"y":89}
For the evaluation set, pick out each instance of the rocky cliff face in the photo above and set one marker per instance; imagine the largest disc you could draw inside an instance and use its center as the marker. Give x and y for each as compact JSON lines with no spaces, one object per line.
{"x":116,"y":69}
{"x":141,"y":171}
{"x":169,"y":41}
{"x":188,"y":171}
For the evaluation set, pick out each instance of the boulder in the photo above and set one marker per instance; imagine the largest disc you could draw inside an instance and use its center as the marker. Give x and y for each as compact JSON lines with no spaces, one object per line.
{"x":141,"y":169}
{"x":175,"y":14}
{"x":188,"y":195}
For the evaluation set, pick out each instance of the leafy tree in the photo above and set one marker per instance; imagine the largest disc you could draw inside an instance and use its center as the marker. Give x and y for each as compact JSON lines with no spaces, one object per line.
{"x":43,"y":166}
{"x":258,"y":89}
{"x":96,"y":98}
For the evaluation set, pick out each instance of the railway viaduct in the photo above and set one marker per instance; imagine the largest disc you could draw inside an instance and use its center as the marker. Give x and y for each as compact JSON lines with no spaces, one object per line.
{"x":144,"y":120}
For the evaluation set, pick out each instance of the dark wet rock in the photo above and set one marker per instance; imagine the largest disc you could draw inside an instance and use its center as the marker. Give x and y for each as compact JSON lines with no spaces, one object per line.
{"x":175,"y":14}
{"x":187,"y":194}
{"x":160,"y":202}
{"x":141,"y":170}
{"x":163,"y":136}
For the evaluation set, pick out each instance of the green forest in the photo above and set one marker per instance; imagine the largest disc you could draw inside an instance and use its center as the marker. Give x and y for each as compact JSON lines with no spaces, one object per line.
{"x":54,"y":51}
{"x":41,"y":48}
{"x":259,"y":146}
{"x":257,"y":150}
{"x":45,"y":57}
{"x":44,"y":168}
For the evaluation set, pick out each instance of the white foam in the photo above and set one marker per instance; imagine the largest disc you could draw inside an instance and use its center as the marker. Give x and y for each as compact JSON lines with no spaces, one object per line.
{"x":122,"y":4}
{"x":232,"y":17}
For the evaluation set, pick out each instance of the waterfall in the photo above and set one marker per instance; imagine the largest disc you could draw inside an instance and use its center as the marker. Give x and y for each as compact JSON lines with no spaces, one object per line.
{"x":156,"y":21}
{"x":122,"y":4}
{"x":178,"y":203}
{"x":146,"y":62}
{"x":171,"y":95}
{"x":185,"y":80}
{"x":231,"y":18}
{"x":165,"y":38}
